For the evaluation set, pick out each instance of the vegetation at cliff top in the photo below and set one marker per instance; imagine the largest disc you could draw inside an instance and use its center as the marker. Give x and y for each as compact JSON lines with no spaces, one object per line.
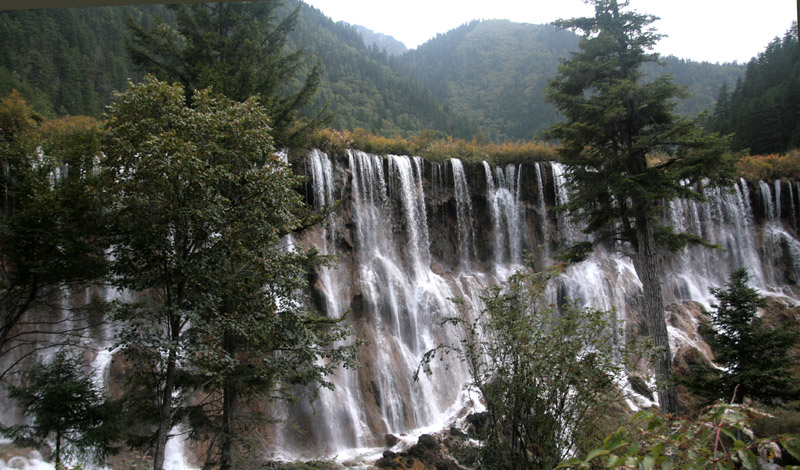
{"x":427,"y":145}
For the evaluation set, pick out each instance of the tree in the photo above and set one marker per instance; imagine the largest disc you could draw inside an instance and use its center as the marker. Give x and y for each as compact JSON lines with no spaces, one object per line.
{"x":755,"y":361}
{"x":546,"y":375}
{"x":50,"y":226}
{"x":239,"y":49}
{"x":200,"y":206}
{"x":627,"y":154}
{"x":68,"y":406}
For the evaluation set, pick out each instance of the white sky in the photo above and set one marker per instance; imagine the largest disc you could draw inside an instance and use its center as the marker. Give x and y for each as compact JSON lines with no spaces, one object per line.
{"x":702,"y":30}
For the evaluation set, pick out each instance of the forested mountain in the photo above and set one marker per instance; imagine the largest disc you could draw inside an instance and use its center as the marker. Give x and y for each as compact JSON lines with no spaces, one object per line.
{"x":495,"y":72}
{"x":364,"y":88}
{"x":763,"y":108}
{"x":68,"y":60}
{"x":484,"y":77}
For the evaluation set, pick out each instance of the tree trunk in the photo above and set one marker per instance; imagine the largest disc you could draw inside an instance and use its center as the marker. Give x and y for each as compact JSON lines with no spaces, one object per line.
{"x":229,"y":398}
{"x":165,"y":413}
{"x":58,"y":449}
{"x":648,"y":268}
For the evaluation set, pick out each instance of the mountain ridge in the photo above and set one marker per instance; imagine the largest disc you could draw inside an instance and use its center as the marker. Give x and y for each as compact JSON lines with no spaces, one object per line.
{"x":485,"y":78}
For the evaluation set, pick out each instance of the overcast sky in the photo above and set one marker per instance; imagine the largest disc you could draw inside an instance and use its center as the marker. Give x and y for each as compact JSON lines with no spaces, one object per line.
{"x":702,"y":30}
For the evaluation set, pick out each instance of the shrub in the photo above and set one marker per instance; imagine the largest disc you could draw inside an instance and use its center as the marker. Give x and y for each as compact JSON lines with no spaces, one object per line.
{"x":721,"y":438}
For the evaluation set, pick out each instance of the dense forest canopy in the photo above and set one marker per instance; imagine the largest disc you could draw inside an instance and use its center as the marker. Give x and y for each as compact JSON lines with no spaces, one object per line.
{"x":484,"y":78}
{"x":763,"y":108}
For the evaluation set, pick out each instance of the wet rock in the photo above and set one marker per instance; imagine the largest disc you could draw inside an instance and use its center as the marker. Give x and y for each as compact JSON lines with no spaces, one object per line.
{"x":391,"y":440}
{"x":477,"y":423}
{"x":639,"y":386}
{"x":428,"y":441}
{"x":454,"y":431}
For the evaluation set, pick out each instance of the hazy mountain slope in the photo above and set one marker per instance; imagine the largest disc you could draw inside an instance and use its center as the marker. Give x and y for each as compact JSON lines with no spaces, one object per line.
{"x":382,"y":41}
{"x":364,"y":87}
{"x":495,"y":72}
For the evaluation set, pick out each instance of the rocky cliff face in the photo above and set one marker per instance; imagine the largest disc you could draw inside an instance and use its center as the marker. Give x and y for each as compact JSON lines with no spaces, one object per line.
{"x":411,"y":234}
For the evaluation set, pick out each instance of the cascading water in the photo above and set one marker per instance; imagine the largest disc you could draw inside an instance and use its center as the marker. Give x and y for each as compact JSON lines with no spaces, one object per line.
{"x":466,"y":231}
{"x":408,"y":236}
{"x":503,"y":196}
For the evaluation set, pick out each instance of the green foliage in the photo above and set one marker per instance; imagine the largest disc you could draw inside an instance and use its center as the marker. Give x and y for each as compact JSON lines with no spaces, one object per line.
{"x":215,"y":44}
{"x":484,"y":78}
{"x":50,"y":216}
{"x":201,"y":204}
{"x":66,"y":406}
{"x":67,"y":60}
{"x":755,"y":361}
{"x":721,"y":438}
{"x":546,"y":375}
{"x":763,"y":109}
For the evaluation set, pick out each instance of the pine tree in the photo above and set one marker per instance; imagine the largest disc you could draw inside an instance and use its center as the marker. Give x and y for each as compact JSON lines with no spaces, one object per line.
{"x":67,"y":406}
{"x":239,"y":49}
{"x":755,"y":360}
{"x":627,"y":153}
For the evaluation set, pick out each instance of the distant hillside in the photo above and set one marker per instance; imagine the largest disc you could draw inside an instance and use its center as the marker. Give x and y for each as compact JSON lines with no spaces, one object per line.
{"x":365,"y":88}
{"x":496,"y":71}
{"x":485,"y":76}
{"x":382,"y":41}
{"x":68,"y":60}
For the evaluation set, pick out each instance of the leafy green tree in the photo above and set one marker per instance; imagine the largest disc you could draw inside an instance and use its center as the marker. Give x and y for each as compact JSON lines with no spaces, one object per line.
{"x":67,"y":406}
{"x":49,"y":221}
{"x":200,"y":206}
{"x":545,"y":375}
{"x":240,"y":50}
{"x":627,"y":154}
{"x":755,"y":361}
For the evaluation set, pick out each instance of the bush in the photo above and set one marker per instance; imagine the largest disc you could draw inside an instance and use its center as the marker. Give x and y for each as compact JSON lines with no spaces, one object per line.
{"x":545,"y":375}
{"x":721,"y":438}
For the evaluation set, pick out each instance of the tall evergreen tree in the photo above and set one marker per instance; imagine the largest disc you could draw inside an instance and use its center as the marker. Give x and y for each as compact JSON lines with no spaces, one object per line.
{"x":240,"y":50}
{"x":67,"y":406}
{"x":627,"y":153}
{"x":755,"y":361}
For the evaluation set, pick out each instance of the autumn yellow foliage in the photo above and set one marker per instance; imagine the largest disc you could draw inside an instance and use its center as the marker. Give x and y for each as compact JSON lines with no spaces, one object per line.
{"x":425,"y":144}
{"x":771,"y":167}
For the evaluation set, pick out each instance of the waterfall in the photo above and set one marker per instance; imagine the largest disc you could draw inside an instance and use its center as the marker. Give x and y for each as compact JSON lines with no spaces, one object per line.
{"x":766,"y":198}
{"x":542,"y":206}
{"x":466,"y":231}
{"x":503,"y":197}
{"x":406,"y":239}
